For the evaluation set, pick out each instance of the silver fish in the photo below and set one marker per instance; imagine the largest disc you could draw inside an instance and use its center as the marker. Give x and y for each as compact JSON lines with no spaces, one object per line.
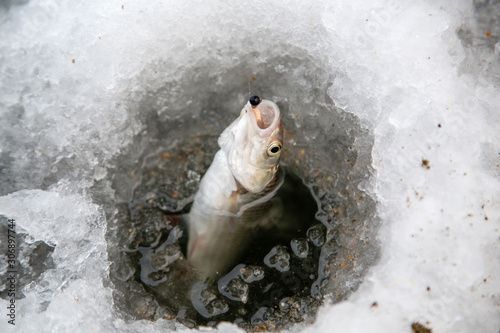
{"x":234,"y":195}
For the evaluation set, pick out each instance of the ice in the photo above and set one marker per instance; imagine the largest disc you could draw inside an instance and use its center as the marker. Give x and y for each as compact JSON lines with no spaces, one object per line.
{"x":75,"y":227}
{"x":80,"y":84}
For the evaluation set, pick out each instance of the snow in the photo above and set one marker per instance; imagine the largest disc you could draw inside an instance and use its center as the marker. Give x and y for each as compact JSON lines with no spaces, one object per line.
{"x":402,"y":67}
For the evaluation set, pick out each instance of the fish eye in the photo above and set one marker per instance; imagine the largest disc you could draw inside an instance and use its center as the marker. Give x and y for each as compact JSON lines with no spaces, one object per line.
{"x":274,"y":149}
{"x":255,"y":100}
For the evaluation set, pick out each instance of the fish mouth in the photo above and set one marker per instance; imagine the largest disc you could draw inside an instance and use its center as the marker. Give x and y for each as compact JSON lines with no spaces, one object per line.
{"x":266,"y":114}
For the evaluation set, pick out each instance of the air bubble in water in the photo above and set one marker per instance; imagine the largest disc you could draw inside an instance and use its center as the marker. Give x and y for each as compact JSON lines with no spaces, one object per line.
{"x":205,"y":301}
{"x":278,"y":258}
{"x":316,"y":235}
{"x":300,"y":247}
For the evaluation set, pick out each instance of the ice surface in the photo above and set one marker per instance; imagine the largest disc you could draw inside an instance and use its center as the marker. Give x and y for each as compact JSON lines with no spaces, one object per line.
{"x":422,"y":77}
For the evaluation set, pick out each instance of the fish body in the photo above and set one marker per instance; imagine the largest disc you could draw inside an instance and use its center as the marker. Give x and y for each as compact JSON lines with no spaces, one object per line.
{"x":234,"y":195}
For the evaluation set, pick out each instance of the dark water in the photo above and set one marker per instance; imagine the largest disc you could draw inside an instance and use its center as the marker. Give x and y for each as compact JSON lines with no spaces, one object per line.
{"x":273,"y":277}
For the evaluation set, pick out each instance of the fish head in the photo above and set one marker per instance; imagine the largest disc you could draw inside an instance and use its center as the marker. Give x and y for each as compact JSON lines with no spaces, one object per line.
{"x":253,"y":144}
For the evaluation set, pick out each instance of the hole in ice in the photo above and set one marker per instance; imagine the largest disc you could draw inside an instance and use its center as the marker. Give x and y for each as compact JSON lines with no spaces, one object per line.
{"x":286,"y":274}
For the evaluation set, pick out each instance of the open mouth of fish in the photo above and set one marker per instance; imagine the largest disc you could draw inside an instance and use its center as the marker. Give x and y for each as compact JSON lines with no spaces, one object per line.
{"x":265,"y":114}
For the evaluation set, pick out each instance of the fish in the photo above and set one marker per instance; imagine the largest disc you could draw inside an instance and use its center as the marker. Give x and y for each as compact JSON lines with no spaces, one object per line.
{"x":235,"y":194}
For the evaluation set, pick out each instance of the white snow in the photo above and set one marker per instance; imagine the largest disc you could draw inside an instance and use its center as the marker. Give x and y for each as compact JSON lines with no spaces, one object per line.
{"x":398,"y":65}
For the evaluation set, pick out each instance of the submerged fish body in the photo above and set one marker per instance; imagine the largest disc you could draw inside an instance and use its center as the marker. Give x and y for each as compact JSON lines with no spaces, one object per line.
{"x":234,"y":195}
